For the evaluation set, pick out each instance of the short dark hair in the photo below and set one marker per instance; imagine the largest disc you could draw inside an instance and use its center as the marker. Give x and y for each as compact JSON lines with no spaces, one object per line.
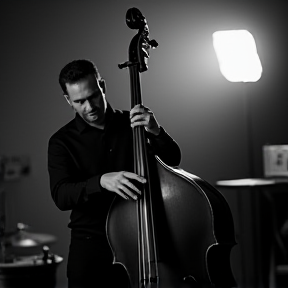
{"x":76,"y":70}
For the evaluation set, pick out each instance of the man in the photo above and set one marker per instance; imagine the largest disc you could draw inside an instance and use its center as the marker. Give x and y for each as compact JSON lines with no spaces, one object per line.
{"x":90,"y":161}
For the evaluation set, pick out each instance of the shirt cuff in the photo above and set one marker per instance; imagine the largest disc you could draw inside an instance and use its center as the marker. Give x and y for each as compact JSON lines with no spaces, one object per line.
{"x":151,"y":135}
{"x":93,"y":185}
{"x":161,"y":136}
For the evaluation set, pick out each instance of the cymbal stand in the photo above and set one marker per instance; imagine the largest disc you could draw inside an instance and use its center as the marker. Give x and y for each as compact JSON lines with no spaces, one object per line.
{"x":2,"y":224}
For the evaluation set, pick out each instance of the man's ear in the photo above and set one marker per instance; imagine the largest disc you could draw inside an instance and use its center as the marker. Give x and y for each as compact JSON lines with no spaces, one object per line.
{"x":67,"y":99}
{"x":102,"y":84}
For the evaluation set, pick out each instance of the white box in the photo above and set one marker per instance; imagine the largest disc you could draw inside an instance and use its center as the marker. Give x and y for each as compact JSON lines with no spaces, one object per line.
{"x":275,"y":160}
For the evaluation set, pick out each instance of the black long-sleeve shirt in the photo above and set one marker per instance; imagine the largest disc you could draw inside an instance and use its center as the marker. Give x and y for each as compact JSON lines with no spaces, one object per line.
{"x":79,"y":154}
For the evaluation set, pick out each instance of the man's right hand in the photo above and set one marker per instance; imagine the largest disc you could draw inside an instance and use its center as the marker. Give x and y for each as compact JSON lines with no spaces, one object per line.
{"x":120,"y":183}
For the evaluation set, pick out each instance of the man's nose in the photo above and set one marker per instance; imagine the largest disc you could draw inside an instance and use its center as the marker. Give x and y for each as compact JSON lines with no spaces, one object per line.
{"x":89,"y":106}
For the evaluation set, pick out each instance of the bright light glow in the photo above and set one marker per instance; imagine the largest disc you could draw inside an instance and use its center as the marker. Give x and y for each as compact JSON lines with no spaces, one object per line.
{"x":237,"y":55}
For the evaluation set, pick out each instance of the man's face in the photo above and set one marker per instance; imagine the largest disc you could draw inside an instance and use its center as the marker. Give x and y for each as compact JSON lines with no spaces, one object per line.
{"x":87,"y":97}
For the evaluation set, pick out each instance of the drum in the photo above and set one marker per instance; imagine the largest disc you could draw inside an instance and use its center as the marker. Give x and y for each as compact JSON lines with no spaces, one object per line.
{"x":30,"y":271}
{"x":21,"y":262}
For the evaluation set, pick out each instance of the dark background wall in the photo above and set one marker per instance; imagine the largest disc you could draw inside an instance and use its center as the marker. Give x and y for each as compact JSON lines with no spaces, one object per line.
{"x":204,"y":112}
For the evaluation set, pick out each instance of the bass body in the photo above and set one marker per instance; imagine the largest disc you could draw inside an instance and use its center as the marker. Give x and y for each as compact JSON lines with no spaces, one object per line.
{"x":194,"y":232}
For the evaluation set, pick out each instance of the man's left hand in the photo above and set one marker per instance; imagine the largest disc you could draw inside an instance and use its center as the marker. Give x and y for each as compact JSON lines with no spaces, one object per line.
{"x":143,"y":116}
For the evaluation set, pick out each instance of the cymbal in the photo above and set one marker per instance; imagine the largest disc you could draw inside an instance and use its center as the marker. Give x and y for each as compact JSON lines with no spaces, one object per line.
{"x":22,"y":238}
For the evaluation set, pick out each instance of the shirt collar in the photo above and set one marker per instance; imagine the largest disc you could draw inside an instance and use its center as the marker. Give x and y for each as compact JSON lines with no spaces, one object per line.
{"x":82,"y":125}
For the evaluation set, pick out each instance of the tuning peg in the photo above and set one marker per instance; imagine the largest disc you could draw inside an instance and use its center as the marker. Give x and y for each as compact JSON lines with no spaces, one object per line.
{"x":153,"y":43}
{"x":125,"y":64}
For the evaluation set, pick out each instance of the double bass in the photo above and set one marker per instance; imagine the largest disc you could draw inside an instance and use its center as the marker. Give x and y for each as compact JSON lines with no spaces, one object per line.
{"x":180,"y":232}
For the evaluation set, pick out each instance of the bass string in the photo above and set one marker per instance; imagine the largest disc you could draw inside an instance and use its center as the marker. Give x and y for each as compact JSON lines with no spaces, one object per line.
{"x":146,"y":235}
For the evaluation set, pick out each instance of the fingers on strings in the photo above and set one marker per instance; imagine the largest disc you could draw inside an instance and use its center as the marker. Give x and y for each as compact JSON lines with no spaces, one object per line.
{"x":127,"y":189}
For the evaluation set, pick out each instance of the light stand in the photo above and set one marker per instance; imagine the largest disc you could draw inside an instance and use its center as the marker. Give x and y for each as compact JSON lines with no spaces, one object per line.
{"x":239,"y":62}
